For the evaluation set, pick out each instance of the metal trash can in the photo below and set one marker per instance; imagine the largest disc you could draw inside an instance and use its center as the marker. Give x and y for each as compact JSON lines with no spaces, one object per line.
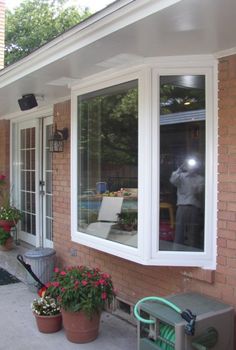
{"x":42,"y":262}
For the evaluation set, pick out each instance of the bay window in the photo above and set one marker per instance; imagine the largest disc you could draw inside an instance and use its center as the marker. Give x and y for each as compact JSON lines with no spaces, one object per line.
{"x":145,"y":179}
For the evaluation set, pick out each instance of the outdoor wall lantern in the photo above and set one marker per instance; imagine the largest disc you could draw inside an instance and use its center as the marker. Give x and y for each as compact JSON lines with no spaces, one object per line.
{"x":56,"y":141}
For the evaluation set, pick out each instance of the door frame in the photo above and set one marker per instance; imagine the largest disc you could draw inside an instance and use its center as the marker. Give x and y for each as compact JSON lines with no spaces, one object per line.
{"x":31,"y":120}
{"x":46,"y":121}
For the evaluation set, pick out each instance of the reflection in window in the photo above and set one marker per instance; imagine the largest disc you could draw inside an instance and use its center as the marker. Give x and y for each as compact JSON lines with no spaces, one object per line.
{"x":108,"y":163}
{"x":182,"y":162}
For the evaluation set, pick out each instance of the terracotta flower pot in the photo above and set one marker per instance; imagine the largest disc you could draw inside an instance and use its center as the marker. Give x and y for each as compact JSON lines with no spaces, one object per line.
{"x":79,"y":328}
{"x":8,"y":244}
{"x":49,"y":324}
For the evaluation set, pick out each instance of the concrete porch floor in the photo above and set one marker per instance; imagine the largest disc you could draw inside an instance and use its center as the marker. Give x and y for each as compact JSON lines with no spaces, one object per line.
{"x":18,"y":326}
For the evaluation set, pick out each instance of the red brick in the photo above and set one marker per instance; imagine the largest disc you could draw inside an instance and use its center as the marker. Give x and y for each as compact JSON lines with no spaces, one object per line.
{"x":226,"y":215}
{"x":231,"y":206}
{"x":222,"y":260}
{"x":231,"y":244}
{"x":222,"y":242}
{"x":227,"y":196}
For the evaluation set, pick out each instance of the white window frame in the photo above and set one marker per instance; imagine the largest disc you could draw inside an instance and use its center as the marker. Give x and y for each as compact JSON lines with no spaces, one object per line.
{"x":148,"y":163}
{"x":174,"y":258}
{"x":144,"y":78}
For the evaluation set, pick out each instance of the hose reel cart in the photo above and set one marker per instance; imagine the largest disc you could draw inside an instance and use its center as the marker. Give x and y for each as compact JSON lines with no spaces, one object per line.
{"x":164,"y":326}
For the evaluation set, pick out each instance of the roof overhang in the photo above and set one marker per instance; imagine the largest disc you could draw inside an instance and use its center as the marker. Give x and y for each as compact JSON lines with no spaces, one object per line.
{"x":126,"y":32}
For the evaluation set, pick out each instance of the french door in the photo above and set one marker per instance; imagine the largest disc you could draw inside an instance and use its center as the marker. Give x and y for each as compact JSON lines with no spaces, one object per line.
{"x":34,"y":180}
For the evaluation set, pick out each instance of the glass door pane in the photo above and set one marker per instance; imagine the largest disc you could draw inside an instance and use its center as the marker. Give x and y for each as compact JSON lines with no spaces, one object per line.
{"x":27,"y":187}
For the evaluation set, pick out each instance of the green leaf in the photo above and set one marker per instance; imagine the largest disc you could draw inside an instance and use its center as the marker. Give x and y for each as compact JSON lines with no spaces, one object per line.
{"x":35,"y":22}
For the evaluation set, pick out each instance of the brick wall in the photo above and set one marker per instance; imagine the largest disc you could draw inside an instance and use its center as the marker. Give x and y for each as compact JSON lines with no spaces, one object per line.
{"x":226,"y":271}
{"x":5,"y":147}
{"x":61,"y":186}
{"x":134,"y":281}
{"x":131,"y":280}
{"x":2,"y":32}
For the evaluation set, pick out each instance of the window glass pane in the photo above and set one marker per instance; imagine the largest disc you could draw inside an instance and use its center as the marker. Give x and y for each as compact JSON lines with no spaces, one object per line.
{"x":48,"y":181}
{"x":22,"y":139}
{"x":23,"y":180}
{"x":28,"y":180}
{"x":32,"y":138}
{"x":33,"y":225}
{"x":23,"y":161}
{"x":182,"y":163}
{"x":33,"y":209}
{"x":27,"y":160}
{"x":27,"y":189}
{"x":32,"y":181}
{"x":49,"y":205}
{"x":49,"y":132}
{"x":28,"y":143}
{"x":49,"y":229}
{"x":32,"y":159}
{"x":23,"y":201}
{"x":108,"y":163}
{"x":48,"y":159}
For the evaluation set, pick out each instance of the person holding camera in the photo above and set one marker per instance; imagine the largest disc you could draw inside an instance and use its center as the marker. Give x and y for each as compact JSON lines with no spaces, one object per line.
{"x":190,"y":188}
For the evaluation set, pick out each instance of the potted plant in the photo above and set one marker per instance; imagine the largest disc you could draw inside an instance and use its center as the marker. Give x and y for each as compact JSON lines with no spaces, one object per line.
{"x":128,"y":220}
{"x":6,"y":240}
{"x":9,"y":214}
{"x":47,"y":312}
{"x":82,"y":292}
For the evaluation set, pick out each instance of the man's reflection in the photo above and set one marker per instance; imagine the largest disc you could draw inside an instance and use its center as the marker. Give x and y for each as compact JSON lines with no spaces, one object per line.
{"x":189,"y":218}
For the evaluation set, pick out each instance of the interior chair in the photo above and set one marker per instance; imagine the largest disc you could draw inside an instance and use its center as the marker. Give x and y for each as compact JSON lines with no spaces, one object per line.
{"x":107,"y":216}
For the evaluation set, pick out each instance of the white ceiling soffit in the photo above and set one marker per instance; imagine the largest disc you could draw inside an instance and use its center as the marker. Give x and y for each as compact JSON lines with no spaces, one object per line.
{"x":126,"y":32}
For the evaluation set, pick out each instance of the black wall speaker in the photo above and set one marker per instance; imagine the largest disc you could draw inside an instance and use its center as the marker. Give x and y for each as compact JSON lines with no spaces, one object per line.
{"x":27,"y":102}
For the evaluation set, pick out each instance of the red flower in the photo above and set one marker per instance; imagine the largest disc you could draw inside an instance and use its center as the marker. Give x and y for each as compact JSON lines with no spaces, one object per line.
{"x":2,"y":177}
{"x":55,"y":284}
{"x":102,"y":281}
{"x":63,"y":273}
{"x":84,"y":283}
{"x":56,"y":269}
{"x":104,"y":295}
{"x":42,"y":291}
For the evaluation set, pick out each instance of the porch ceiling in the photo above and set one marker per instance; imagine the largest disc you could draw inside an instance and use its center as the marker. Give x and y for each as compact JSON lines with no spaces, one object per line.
{"x":187,"y":27}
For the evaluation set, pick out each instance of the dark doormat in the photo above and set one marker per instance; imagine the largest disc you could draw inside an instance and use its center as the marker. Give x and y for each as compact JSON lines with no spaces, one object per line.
{"x":7,"y":278}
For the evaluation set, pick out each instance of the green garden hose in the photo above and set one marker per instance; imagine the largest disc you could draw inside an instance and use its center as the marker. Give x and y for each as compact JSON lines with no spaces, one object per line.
{"x":166,"y":332}
{"x":158,"y":299}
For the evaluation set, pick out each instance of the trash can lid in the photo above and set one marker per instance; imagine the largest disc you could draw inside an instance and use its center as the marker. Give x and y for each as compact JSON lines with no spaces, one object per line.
{"x":39,"y":253}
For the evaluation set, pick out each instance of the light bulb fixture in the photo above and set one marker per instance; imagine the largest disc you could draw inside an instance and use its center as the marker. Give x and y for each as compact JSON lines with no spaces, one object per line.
{"x":56,"y":142}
